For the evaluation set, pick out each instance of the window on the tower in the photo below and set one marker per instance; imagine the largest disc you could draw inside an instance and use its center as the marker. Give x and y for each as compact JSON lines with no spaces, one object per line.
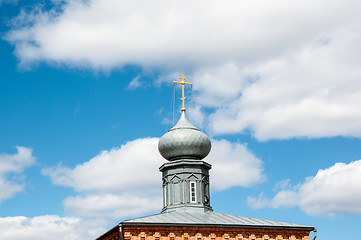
{"x":193,"y":192}
{"x":165,"y":195}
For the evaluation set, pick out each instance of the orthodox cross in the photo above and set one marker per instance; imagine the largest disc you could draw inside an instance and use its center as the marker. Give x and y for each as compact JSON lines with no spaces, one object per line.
{"x":183,"y":82}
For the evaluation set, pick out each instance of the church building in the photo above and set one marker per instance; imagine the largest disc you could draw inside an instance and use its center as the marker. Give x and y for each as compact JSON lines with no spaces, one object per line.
{"x":187,"y":213}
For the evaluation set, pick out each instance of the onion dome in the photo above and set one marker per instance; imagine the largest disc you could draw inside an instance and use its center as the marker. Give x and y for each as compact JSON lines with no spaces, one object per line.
{"x":184,"y":141}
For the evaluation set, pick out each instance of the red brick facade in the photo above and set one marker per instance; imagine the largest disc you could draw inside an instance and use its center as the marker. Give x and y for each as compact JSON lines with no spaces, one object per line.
{"x":112,"y":234}
{"x":202,"y":233}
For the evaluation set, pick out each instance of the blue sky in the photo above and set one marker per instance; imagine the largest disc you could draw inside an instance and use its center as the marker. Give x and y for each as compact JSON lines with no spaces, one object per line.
{"x":86,"y":91}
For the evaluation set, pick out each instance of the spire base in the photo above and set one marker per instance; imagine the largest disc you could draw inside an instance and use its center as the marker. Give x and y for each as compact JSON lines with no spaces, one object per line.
{"x":186,"y":185}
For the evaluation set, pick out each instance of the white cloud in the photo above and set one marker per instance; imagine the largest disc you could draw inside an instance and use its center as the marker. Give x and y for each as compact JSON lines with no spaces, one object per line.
{"x":233,"y":165}
{"x":106,"y":182}
{"x":11,"y":167}
{"x":48,"y":227}
{"x":126,"y":182}
{"x":16,"y":162}
{"x":9,"y":189}
{"x":297,"y":96}
{"x":8,"y":1}
{"x":335,"y":190}
{"x":279,"y":69}
{"x":112,"y":206}
{"x":135,"y":83}
{"x":109,"y":33}
{"x":117,"y":184}
{"x":131,"y":168}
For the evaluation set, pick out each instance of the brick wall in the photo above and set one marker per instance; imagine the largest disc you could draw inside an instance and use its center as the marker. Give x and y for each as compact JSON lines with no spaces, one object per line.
{"x":112,"y":234}
{"x":210,"y":233}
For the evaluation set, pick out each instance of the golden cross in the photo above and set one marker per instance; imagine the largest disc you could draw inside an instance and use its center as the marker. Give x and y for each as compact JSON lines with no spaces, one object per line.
{"x":183,"y":82}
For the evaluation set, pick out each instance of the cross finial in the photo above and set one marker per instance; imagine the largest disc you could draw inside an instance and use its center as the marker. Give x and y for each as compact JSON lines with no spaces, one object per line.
{"x":182,"y":77}
{"x":183,"y":82}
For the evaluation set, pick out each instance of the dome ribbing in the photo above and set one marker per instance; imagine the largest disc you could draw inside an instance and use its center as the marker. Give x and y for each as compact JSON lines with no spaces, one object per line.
{"x":184,"y":141}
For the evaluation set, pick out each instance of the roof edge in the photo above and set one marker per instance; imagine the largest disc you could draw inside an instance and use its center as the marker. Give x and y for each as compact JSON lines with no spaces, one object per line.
{"x":308,"y":228}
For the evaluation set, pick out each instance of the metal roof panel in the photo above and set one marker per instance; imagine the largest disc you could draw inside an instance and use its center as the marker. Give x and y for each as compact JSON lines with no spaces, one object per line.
{"x":209,"y":219}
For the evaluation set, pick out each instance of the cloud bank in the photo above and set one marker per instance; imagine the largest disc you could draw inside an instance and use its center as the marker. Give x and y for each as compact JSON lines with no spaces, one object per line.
{"x":131,"y":172}
{"x":233,"y":165}
{"x":47,"y":227}
{"x":277,"y":69}
{"x":116,"y":184}
{"x":11,"y":167}
{"x":335,"y":190}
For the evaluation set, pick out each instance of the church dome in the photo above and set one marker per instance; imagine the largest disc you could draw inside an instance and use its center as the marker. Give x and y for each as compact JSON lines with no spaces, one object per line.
{"x":184,"y":141}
